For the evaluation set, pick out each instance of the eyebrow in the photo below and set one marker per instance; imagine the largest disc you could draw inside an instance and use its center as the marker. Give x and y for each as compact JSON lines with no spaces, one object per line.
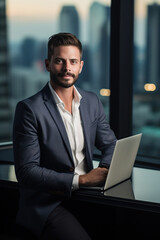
{"x":69,"y":59}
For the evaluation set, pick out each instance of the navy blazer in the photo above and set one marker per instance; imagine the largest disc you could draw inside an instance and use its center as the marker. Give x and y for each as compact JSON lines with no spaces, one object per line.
{"x":43,"y":159}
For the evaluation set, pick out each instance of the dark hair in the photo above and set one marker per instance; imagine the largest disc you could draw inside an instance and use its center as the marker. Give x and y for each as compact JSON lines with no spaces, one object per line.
{"x":63,"y":39}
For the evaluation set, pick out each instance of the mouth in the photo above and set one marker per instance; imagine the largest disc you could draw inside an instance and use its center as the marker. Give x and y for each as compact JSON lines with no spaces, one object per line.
{"x":66,"y":75}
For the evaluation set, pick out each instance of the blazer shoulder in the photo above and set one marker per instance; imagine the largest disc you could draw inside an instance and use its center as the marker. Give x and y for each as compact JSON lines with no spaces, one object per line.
{"x":36,"y":98}
{"x":88,"y":94}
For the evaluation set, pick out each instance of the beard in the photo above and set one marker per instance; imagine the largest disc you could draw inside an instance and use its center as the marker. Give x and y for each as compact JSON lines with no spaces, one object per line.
{"x":56,"y":79}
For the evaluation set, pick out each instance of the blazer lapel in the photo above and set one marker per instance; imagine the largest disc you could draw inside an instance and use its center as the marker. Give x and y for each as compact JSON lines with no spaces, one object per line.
{"x":53,"y":110}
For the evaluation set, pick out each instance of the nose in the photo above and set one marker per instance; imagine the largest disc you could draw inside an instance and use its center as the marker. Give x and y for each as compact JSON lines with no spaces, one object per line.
{"x":67,"y":66}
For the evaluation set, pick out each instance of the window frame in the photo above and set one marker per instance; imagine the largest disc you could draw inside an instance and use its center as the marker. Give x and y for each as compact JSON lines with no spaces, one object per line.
{"x":121,"y":67}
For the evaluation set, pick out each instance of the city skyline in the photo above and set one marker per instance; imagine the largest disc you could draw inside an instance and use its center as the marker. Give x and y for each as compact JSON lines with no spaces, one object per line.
{"x":24,"y":22}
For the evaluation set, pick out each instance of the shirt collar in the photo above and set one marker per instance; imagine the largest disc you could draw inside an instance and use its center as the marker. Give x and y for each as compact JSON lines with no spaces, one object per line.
{"x":77,"y":95}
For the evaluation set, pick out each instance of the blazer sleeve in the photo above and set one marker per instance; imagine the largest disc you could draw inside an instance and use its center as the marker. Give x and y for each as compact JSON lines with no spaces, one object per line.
{"x":27,"y":155}
{"x":105,"y":137}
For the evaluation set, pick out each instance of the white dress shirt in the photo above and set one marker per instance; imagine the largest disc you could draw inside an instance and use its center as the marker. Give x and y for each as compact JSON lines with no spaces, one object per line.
{"x":73,"y":126}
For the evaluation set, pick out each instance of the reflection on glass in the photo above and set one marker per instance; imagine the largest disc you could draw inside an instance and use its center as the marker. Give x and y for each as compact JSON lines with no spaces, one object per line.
{"x":145,"y":183}
{"x":122,"y":190}
{"x":29,"y":24}
{"x":146,"y":85}
{"x":7,"y":173}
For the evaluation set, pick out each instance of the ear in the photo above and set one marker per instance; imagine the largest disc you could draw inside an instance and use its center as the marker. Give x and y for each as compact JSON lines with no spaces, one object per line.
{"x":47,"y":64}
{"x":82,"y":63}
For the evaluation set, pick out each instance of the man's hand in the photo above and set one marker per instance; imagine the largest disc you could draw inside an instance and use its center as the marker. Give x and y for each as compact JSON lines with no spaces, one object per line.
{"x":95,"y":177}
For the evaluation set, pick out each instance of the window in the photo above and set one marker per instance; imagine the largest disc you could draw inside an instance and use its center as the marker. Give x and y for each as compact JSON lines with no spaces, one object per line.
{"x":25,"y":31}
{"x":146,"y":83}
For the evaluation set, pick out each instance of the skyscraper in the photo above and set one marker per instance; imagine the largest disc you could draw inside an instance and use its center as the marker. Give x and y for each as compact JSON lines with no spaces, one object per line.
{"x":69,"y":20}
{"x":28,"y":49}
{"x":99,"y":35}
{"x":5,"y":114}
{"x":105,"y":51}
{"x":153,"y":45}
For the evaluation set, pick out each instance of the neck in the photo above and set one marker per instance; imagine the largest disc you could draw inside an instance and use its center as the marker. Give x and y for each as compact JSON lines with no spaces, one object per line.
{"x":66,"y":95}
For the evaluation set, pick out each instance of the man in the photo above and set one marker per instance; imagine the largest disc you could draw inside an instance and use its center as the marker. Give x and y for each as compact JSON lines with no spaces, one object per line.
{"x":54,"y":135}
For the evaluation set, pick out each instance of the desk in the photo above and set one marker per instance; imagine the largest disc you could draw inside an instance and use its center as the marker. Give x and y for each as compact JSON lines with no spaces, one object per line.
{"x":141,"y":191}
{"x":135,"y":201}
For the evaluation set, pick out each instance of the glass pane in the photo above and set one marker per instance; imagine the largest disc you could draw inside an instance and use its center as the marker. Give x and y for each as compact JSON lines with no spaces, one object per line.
{"x":25,"y":27}
{"x":146,"y":110}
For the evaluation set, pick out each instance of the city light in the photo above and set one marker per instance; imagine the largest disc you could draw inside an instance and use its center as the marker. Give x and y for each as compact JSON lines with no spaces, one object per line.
{"x":105,"y":92}
{"x":150,"y":87}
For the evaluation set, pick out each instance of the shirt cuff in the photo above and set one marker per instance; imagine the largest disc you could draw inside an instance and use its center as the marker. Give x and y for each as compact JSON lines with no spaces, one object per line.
{"x":75,"y":183}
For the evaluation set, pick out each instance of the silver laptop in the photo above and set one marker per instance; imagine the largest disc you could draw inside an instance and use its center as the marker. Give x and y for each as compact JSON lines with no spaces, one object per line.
{"x":122,"y":161}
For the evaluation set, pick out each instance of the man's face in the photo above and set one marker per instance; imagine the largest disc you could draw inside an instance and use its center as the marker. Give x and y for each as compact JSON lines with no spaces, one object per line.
{"x":64,"y":66}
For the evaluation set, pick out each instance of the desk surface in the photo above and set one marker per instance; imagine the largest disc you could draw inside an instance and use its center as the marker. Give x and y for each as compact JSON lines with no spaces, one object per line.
{"x":141,"y":191}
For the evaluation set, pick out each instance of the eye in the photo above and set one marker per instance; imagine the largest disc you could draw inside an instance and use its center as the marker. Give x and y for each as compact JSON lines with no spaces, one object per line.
{"x":74,"y":61}
{"x":58,"y":61}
